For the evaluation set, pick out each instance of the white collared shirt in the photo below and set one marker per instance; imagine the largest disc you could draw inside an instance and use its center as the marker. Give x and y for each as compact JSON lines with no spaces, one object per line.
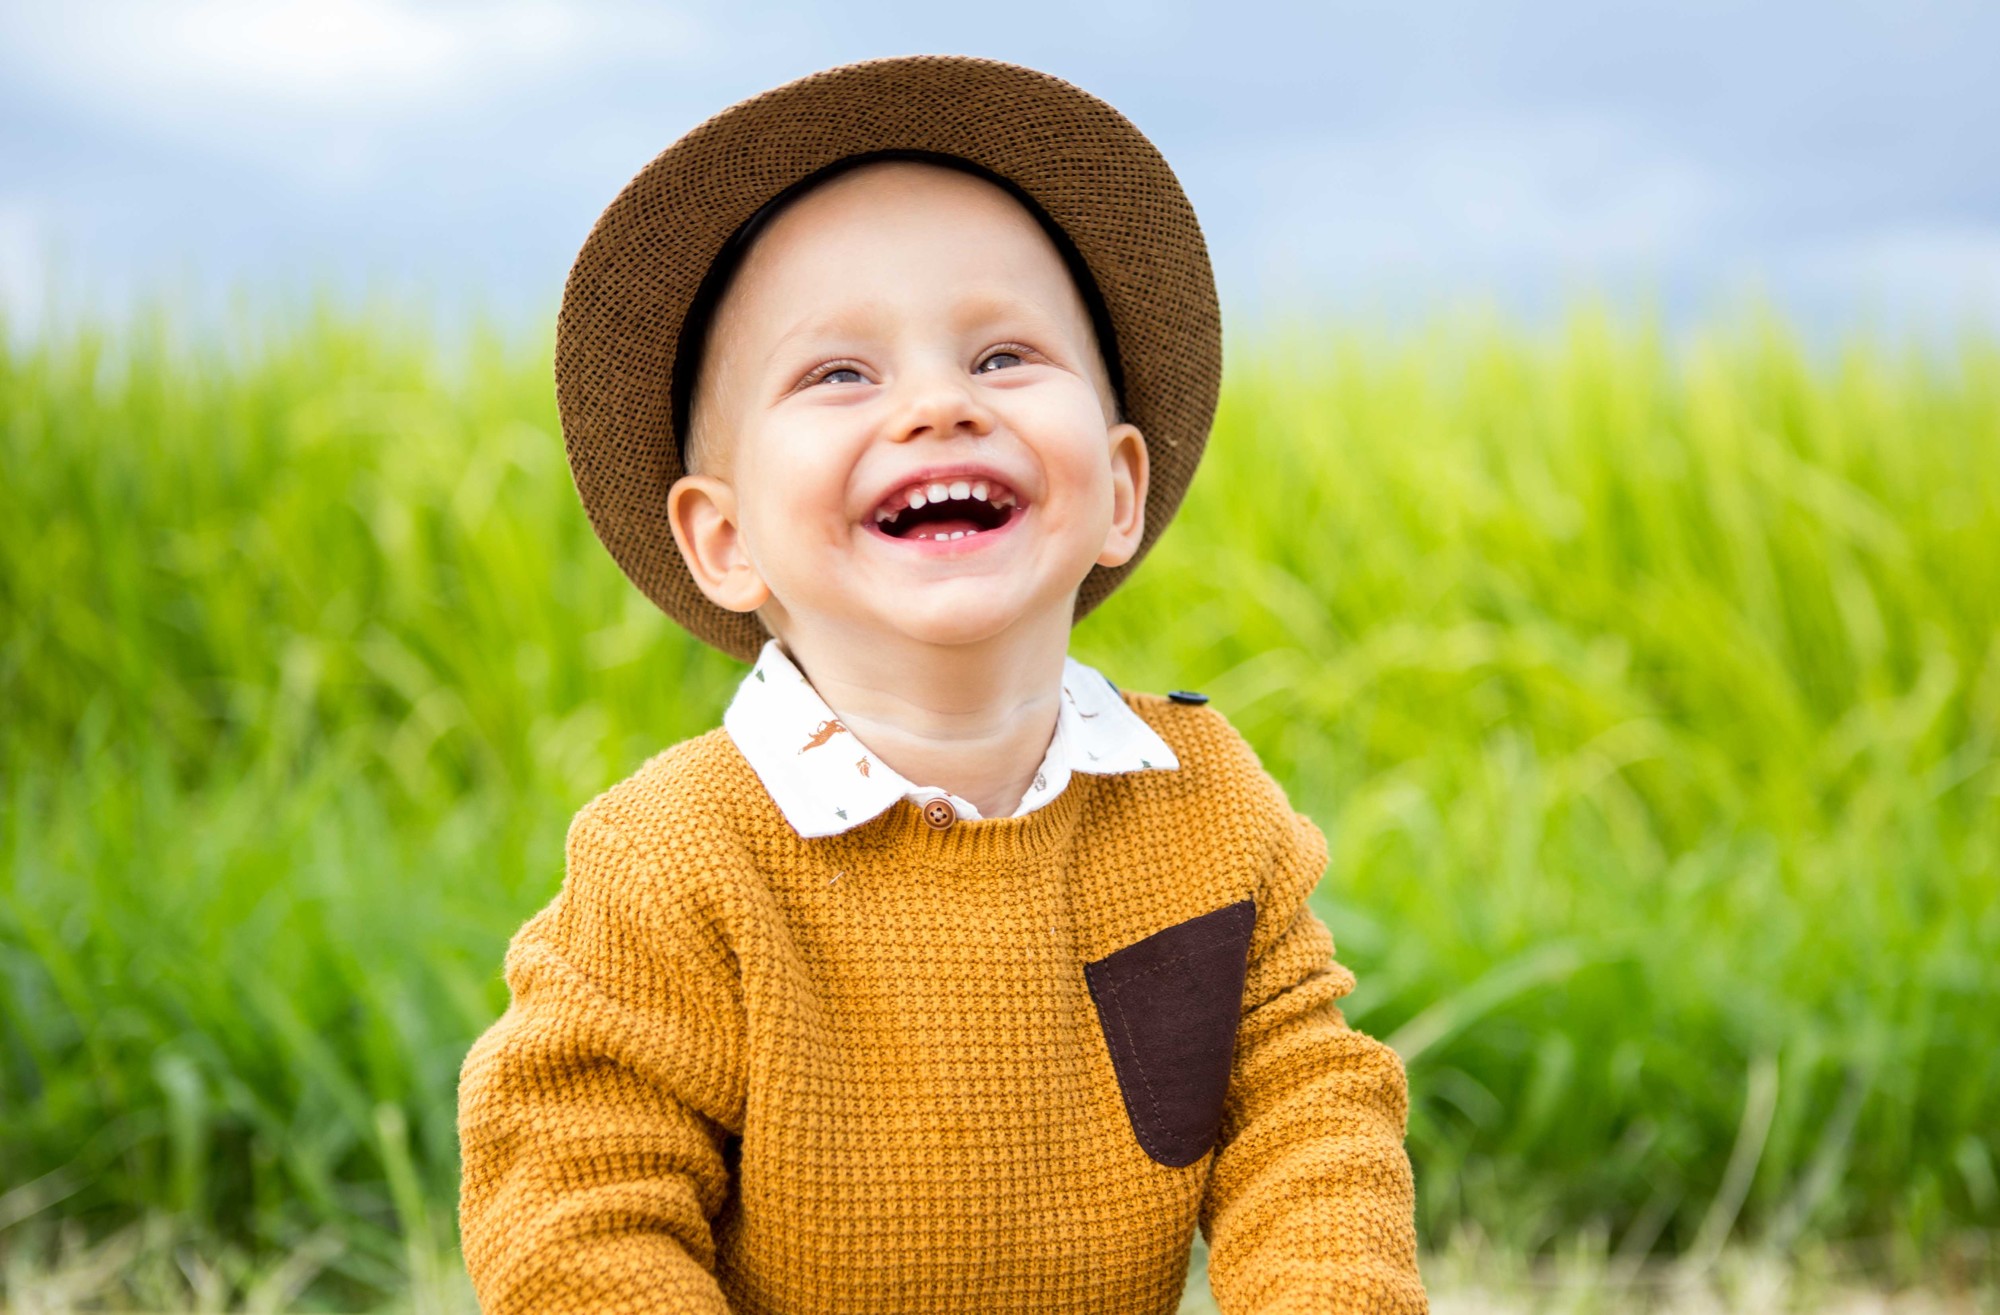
{"x":825,"y":781}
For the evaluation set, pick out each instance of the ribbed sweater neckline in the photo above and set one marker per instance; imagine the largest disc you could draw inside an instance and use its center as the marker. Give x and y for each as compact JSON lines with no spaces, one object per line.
{"x":901,"y":832}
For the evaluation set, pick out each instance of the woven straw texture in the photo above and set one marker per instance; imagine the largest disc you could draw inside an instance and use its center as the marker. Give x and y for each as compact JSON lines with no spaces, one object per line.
{"x":634,"y":280}
{"x":742,"y":1071}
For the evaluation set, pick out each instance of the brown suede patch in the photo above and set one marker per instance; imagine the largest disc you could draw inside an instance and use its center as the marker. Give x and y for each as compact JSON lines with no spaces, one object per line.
{"x":1169,"y":1005}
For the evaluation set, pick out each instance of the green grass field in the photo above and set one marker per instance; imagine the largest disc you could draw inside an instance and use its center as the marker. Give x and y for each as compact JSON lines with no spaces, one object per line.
{"x":1648,"y":695}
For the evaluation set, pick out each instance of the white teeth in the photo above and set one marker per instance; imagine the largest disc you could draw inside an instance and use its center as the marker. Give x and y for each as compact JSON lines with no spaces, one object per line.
{"x":922,"y":495}
{"x":956,"y":534}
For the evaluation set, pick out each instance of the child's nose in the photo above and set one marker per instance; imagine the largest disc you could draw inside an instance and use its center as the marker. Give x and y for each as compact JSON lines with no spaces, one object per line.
{"x":939,"y":403}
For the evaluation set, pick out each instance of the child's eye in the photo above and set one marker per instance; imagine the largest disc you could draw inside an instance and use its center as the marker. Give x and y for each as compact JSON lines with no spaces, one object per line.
{"x":839,"y":374}
{"x":1002,"y":360}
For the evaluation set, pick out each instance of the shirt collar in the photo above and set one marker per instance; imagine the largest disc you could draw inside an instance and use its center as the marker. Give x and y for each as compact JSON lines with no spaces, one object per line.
{"x":825,"y":781}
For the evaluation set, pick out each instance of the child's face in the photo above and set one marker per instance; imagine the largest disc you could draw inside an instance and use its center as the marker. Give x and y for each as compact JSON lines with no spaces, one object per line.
{"x":902,"y":327}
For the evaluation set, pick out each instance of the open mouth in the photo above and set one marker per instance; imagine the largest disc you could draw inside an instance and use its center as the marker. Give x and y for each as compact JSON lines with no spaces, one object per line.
{"x":947,"y":509}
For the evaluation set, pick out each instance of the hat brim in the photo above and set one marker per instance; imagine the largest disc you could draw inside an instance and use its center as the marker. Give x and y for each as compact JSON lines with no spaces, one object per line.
{"x":634,"y":281}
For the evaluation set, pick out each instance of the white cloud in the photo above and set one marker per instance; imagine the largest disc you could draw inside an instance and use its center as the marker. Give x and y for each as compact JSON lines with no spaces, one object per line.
{"x":357,"y":56}
{"x":1937,"y":272}
{"x":1457,"y":200}
{"x":326,"y":95}
{"x":1945,"y":259}
{"x":1577,"y":192}
{"x":23,"y":264}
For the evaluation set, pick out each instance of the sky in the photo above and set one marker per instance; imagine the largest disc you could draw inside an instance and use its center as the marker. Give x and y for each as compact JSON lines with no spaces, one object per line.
{"x":1840,"y":159}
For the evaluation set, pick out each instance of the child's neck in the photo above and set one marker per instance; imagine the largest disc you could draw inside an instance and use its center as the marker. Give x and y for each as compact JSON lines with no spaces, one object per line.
{"x":972,"y":719}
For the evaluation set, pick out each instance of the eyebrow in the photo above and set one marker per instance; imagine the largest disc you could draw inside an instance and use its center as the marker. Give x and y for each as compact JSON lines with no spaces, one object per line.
{"x":860,"y":318}
{"x":848,"y":320}
{"x":993,"y":305}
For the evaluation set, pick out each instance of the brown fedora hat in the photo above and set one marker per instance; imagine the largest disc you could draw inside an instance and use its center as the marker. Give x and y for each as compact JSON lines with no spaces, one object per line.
{"x":1093,"y":176}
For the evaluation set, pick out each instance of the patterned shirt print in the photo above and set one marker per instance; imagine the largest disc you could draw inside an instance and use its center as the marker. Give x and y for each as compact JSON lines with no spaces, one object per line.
{"x":777,"y":718}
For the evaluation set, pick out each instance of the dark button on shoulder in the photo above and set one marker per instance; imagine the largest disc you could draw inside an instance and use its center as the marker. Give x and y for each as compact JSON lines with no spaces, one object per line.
{"x":1186,"y":696}
{"x":939,"y":813}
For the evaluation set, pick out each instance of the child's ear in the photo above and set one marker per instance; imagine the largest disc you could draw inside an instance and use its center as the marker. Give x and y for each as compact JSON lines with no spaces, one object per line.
{"x":702,"y":511}
{"x":1128,"y":495}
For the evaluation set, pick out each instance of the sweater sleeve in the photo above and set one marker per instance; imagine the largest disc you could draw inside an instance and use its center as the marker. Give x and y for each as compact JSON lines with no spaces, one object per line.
{"x":1310,"y":1203}
{"x":593,"y":1115}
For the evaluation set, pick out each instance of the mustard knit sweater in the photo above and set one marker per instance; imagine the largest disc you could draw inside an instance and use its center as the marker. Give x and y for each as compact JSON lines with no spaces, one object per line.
{"x":1009,"y":1065}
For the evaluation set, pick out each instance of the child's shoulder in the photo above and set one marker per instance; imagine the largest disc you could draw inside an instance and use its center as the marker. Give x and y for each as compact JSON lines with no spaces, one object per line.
{"x":680,"y":784}
{"x":1214,"y":756}
{"x":679,"y":819}
{"x":1221,"y":819}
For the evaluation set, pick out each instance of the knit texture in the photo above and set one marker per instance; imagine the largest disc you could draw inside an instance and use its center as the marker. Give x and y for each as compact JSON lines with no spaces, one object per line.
{"x":745,"y":1071}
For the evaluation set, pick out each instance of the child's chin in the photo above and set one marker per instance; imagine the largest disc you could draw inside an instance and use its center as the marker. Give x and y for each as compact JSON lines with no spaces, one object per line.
{"x":956,"y":615}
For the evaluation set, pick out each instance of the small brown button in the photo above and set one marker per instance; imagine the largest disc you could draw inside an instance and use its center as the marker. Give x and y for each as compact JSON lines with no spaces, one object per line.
{"x":940,"y":814}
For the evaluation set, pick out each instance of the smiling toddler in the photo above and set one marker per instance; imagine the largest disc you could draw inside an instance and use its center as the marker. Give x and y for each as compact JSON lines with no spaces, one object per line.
{"x":944,"y":975}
